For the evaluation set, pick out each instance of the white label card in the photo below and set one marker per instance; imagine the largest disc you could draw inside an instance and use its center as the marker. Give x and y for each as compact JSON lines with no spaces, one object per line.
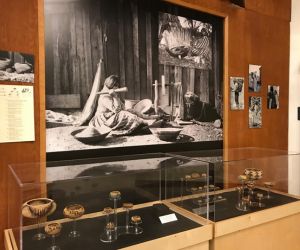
{"x":167,"y":218}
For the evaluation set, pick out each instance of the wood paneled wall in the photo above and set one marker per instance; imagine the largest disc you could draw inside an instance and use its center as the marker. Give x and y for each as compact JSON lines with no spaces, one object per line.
{"x":258,"y":34}
{"x":21,"y":29}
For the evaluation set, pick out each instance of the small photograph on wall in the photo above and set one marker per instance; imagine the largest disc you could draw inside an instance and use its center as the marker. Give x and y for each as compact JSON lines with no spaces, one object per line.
{"x":255,"y":112}
{"x":237,"y":93}
{"x":16,"y":67}
{"x":184,"y":42}
{"x":254,"y":78}
{"x":273,"y":97}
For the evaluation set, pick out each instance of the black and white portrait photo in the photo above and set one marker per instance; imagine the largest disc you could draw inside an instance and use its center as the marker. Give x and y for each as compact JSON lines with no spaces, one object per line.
{"x":254,"y":78}
{"x":273,"y":97}
{"x":126,"y":73}
{"x":255,"y":112}
{"x":237,"y":93}
{"x":16,"y":67}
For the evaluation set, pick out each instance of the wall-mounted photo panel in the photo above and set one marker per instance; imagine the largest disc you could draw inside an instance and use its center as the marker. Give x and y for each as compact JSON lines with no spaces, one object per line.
{"x":255,"y":112}
{"x":254,"y":78}
{"x":158,"y":60}
{"x":237,"y":93}
{"x":16,"y":67}
{"x":273,"y":97}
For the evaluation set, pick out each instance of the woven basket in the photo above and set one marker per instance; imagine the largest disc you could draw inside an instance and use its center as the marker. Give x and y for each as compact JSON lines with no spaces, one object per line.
{"x":143,"y":106}
{"x":129,"y":104}
{"x":22,"y":68}
{"x":92,"y":137}
{"x":166,"y":134}
{"x":4,"y":63}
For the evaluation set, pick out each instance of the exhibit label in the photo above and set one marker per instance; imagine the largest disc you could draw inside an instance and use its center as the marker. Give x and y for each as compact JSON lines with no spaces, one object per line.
{"x":17,"y":113}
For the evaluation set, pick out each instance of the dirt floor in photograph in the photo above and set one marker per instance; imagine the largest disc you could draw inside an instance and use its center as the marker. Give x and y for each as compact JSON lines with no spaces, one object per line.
{"x":15,"y":77}
{"x":60,"y":138}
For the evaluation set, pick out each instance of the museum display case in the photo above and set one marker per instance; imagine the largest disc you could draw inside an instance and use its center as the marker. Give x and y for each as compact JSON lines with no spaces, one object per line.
{"x":192,"y":200}
{"x":255,"y":199}
{"x":108,"y":203}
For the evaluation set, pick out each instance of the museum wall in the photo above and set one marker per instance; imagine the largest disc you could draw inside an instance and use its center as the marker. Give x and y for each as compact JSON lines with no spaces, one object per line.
{"x":19,"y":32}
{"x":258,"y":34}
{"x":294,"y":100}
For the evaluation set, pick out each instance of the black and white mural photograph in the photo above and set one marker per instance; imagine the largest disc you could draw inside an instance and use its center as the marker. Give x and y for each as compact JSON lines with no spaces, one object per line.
{"x":254,"y":78}
{"x":122,"y":73}
{"x":16,"y":67}
{"x":273,"y":97}
{"x":255,"y":112}
{"x":237,"y":93}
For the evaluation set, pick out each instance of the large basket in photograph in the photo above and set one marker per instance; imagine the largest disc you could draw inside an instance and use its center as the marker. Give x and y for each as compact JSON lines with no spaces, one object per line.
{"x":166,"y":134}
{"x":143,"y":106}
{"x":90,"y":135}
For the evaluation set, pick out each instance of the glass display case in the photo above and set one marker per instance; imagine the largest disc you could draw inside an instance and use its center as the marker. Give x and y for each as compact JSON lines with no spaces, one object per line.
{"x":257,"y":197}
{"x":107,"y":203}
{"x":194,"y":182}
{"x":146,"y":201}
{"x":245,"y":180}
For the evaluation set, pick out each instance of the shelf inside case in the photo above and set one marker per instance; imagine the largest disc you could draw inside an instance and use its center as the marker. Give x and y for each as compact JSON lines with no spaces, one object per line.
{"x":91,"y":226}
{"x":222,"y":205}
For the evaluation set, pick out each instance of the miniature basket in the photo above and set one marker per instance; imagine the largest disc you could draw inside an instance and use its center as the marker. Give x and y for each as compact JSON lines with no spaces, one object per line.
{"x":253,"y":173}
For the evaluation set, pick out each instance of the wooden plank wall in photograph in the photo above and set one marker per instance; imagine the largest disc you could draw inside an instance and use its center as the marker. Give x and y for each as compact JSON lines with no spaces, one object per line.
{"x":122,"y":32}
{"x":80,"y":33}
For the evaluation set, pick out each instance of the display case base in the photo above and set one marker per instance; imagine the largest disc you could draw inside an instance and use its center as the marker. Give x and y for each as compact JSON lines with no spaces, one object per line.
{"x":271,"y":228}
{"x":276,"y":234}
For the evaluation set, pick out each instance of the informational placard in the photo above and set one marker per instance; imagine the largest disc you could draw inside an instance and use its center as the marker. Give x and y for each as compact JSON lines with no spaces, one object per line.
{"x":167,"y":218}
{"x":17,"y":113}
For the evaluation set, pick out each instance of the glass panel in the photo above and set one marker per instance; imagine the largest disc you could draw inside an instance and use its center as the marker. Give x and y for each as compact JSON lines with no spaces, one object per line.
{"x":187,"y":183}
{"x":94,"y":200}
{"x":251,"y":179}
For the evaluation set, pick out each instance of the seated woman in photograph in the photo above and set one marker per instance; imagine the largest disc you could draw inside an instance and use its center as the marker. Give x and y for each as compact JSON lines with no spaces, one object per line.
{"x":111,"y":111}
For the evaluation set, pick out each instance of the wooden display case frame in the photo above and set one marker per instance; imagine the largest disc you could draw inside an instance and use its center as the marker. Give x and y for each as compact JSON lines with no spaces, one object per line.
{"x":261,"y":230}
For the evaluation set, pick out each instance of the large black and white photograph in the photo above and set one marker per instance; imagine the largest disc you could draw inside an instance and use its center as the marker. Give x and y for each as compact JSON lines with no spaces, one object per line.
{"x":254,"y":78}
{"x":273,"y":97}
{"x":237,"y":93}
{"x":16,"y":67}
{"x":128,"y":73}
{"x":255,"y":112}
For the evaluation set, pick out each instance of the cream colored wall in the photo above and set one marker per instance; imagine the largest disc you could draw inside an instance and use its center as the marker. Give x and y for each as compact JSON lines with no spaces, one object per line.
{"x":294,"y":98}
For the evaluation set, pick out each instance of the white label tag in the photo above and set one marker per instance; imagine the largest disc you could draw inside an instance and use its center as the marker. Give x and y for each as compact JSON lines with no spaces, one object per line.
{"x":167,"y":218}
